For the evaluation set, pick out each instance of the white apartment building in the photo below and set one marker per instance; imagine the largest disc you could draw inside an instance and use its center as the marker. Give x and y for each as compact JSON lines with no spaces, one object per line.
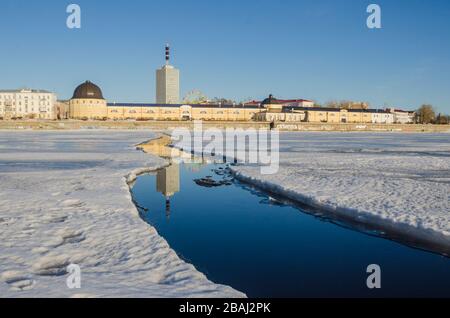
{"x":382,"y":117}
{"x":27,"y":104}
{"x":403,"y":116}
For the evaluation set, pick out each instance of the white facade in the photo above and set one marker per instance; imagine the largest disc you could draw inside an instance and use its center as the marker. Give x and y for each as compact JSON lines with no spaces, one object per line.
{"x":307,"y":103}
{"x":382,"y":117}
{"x":299,"y":103}
{"x":168,"y":85}
{"x":27,"y":104}
{"x":403,"y":117}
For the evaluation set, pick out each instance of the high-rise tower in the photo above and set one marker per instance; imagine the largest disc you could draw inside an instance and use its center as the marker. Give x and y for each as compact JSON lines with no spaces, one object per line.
{"x":168,"y":83}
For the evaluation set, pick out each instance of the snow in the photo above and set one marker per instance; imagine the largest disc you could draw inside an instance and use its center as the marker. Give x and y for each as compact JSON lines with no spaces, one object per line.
{"x":65,"y":199}
{"x":398,"y":181}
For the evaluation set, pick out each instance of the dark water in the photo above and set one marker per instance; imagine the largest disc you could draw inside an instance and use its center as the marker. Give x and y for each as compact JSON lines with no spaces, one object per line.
{"x":241,"y":237}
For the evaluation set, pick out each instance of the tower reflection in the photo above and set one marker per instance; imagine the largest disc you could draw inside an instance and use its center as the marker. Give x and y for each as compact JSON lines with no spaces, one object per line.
{"x":168,"y":183}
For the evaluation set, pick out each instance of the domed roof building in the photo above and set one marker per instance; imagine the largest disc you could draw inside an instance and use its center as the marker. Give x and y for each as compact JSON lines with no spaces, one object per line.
{"x":87,"y":90}
{"x":88,"y":103}
{"x":270,"y":101}
{"x":272,"y":104}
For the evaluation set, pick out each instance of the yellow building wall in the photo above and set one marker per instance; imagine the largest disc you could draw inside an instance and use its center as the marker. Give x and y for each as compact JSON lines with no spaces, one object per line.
{"x":354,"y":117}
{"x":317,"y":116}
{"x":220,"y":114}
{"x":88,"y":109}
{"x":151,"y":113}
{"x":115,"y":113}
{"x":250,"y":114}
{"x":98,"y":109}
{"x":133,"y":113}
{"x":366,"y":117}
{"x":170,"y":113}
{"x":334,"y":117}
{"x":237,"y":114}
{"x":201,"y":113}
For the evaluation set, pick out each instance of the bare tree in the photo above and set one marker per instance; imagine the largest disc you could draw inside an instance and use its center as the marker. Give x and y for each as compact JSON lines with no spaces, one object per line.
{"x":332,"y":104}
{"x":426,"y":114}
{"x":442,"y":119}
{"x":347,"y":104}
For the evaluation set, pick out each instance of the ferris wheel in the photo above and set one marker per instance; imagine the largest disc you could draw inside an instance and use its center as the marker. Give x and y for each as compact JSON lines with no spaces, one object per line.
{"x":195,"y":97}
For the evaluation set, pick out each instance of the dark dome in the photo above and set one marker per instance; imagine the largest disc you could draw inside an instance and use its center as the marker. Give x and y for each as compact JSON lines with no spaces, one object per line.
{"x":270,"y":101}
{"x":87,"y":90}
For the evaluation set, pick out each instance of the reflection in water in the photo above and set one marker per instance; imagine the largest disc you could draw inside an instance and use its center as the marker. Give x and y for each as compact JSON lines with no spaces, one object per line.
{"x":168,"y":179}
{"x":168,"y":183}
{"x":262,"y":245}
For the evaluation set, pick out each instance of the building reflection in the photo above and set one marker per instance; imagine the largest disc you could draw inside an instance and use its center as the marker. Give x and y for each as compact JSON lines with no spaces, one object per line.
{"x":168,"y":183}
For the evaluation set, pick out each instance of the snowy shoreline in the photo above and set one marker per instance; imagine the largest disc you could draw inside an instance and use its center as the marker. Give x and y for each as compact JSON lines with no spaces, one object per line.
{"x":403,"y":233}
{"x":396,"y":184}
{"x":65,"y":198}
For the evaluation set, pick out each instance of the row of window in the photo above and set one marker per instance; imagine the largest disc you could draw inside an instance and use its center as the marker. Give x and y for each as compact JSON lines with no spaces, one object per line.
{"x":174,"y":112}
{"x":20,"y":110}
{"x":26,"y":103}
{"x":10,"y":97}
{"x":82,"y":102}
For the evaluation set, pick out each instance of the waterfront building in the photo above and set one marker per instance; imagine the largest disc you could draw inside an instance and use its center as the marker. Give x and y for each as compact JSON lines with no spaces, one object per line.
{"x":177,"y":112}
{"x":88,"y":103}
{"x":287,"y":103}
{"x":62,"y":110}
{"x":403,"y":116}
{"x":27,"y":104}
{"x":272,"y":110}
{"x":351,"y":116}
{"x":381,"y":116}
{"x":168,"y":83}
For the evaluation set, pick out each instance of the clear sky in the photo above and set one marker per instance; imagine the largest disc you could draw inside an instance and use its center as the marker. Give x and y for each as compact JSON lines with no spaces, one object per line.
{"x":315,"y":49}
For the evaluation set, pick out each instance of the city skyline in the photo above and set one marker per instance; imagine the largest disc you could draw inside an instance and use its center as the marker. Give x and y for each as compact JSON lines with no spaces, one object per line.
{"x":320,"y":51}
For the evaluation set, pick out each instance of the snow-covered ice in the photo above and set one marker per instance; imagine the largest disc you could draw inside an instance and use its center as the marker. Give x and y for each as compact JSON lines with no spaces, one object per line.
{"x":398,"y":181}
{"x":64,"y":199}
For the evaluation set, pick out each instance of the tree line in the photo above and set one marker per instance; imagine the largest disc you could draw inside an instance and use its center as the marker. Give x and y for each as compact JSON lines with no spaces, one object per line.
{"x":426,"y":114}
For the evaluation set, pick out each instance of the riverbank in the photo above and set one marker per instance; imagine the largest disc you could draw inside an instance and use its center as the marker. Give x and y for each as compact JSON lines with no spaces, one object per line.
{"x":290,"y":230}
{"x":65,"y":199}
{"x":398,"y":183}
{"x":170,"y":125}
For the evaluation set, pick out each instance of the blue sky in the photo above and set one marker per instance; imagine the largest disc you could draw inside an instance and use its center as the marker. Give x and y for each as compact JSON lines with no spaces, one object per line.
{"x":316,"y":49}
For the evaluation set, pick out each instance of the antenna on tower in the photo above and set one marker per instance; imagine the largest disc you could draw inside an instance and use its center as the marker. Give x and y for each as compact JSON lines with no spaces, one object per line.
{"x":167,"y":54}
